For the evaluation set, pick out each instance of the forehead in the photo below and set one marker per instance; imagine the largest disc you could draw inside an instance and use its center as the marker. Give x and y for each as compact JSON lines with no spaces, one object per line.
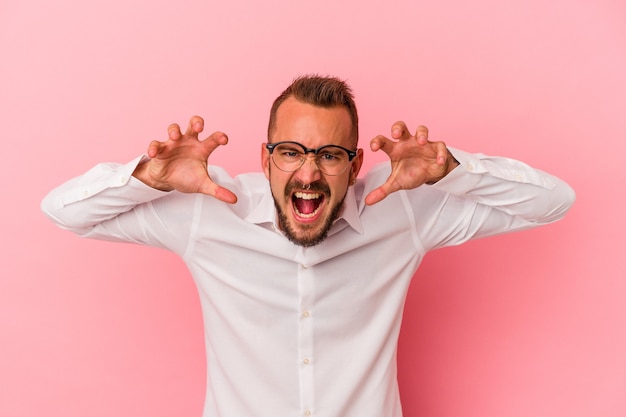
{"x":311,"y":125}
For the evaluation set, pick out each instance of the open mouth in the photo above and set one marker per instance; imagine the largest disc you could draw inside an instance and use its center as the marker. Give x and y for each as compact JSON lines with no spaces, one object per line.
{"x":306,"y":205}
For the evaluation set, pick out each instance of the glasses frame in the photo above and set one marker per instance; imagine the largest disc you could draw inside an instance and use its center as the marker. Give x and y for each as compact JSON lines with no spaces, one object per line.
{"x":315,"y":151}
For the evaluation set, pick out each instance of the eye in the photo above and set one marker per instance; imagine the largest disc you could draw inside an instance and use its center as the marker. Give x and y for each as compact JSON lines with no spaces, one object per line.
{"x":327,"y":156}
{"x":288,"y":152}
{"x":331,"y":155}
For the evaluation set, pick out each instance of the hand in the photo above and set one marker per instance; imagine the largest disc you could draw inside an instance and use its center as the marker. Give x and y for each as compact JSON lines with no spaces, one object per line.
{"x":414,"y":160}
{"x":180,"y":163}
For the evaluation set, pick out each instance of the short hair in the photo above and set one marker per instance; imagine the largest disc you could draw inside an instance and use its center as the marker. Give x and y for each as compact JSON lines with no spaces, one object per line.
{"x":322,"y":91}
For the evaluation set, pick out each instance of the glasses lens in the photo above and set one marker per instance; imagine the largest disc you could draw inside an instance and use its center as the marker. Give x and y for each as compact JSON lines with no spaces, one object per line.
{"x":331,"y":160}
{"x":288,"y":156}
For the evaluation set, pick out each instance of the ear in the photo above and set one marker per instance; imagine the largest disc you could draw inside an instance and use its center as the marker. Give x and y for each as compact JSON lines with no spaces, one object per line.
{"x":357,"y":162}
{"x":265,"y":160}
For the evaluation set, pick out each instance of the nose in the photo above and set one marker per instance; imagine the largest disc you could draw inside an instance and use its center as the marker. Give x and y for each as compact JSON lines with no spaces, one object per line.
{"x":309,"y":172}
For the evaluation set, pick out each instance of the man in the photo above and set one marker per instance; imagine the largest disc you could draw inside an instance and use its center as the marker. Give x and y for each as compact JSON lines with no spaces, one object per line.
{"x":303,"y":272}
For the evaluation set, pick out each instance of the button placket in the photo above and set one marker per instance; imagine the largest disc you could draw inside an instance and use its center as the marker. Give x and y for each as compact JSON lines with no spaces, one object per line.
{"x":305,"y":336}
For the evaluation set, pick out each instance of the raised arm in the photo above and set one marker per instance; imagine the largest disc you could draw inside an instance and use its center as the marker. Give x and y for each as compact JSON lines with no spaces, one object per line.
{"x":469,"y":195}
{"x":112,"y":201}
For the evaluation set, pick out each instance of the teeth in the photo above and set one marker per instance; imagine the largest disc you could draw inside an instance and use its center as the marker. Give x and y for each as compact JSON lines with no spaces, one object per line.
{"x":307,"y":216}
{"x":307,"y":196}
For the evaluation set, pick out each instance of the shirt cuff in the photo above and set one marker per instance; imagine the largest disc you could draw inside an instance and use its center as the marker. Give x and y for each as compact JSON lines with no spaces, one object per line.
{"x":474,"y":167}
{"x":108,"y":176}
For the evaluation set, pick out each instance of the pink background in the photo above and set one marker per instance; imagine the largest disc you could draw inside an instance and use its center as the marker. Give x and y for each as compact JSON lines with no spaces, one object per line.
{"x":531,"y":324}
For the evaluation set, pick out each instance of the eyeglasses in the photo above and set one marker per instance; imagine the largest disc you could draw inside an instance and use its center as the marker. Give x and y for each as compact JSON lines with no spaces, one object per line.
{"x":289,"y":156}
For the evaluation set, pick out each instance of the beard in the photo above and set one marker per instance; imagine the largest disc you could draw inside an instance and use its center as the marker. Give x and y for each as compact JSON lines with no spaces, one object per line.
{"x":310,"y":235}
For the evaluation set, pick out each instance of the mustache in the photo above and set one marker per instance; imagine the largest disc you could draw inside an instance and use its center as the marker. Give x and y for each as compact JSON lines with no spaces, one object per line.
{"x":316,"y":187}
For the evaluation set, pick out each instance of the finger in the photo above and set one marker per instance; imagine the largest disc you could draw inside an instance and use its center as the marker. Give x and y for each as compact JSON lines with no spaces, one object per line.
{"x":214,"y":140}
{"x":374,"y":197}
{"x":422,"y":135}
{"x":154,"y":148}
{"x":442,"y":153}
{"x":400,"y":131}
{"x":383,"y":191}
{"x":378,"y":143}
{"x":196,"y":125}
{"x":173,"y":131}
{"x":219,"y":192}
{"x":225,"y":195}
{"x":378,"y":194}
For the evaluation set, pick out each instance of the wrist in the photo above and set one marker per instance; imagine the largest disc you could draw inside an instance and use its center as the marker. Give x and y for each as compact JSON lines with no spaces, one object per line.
{"x":449,"y":165}
{"x":142,"y":173}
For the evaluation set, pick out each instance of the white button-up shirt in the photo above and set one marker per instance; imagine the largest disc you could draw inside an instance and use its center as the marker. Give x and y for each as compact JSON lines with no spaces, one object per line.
{"x":294,"y":331}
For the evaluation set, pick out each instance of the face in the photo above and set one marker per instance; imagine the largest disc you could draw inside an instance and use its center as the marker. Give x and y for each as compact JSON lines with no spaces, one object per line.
{"x":308,"y":201}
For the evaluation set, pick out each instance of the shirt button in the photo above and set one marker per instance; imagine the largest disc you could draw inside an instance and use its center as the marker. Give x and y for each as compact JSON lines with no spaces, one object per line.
{"x":304,"y":266}
{"x":122,"y":180}
{"x":470,"y":167}
{"x":306,"y":361}
{"x":306,"y":314}
{"x":307,"y":412}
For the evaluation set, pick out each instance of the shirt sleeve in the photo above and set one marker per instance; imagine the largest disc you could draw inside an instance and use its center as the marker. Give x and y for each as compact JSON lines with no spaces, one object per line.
{"x":108,"y":203}
{"x":485,"y":196}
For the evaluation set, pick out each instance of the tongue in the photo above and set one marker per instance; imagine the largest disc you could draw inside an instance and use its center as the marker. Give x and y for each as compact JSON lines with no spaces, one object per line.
{"x":306,"y":206}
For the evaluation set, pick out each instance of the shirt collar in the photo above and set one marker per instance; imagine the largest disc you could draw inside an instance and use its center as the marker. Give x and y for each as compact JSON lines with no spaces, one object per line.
{"x":265,"y":211}
{"x":351,"y":212}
